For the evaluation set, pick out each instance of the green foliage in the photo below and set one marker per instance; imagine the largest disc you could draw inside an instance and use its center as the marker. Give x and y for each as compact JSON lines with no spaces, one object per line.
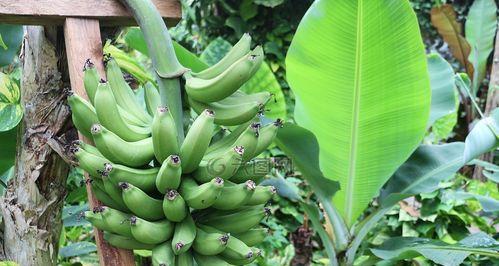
{"x":370,"y":112}
{"x":11,"y":37}
{"x":11,"y":111}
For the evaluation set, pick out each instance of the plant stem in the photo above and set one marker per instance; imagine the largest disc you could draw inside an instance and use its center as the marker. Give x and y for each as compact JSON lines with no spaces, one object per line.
{"x":365,"y":228}
{"x":340,"y":230}
{"x":166,"y":65}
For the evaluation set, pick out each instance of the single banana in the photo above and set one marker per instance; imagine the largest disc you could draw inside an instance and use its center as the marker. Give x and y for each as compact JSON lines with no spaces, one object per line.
{"x":94,"y":217}
{"x":152,"y":98}
{"x":164,"y":134}
{"x":151,"y":232}
{"x":184,"y":235}
{"x":197,"y":141}
{"x":202,"y":196}
{"x":185,"y":259}
{"x":248,"y":140}
{"x":253,"y":170}
{"x":262,"y":195}
{"x":87,"y":147}
{"x":253,"y":236}
{"x":141,"y":204}
{"x":234,"y":196}
{"x":145,"y":179}
{"x":210,"y":243}
{"x":114,"y":192}
{"x":117,"y":221}
{"x":223,"y":166}
{"x":125,"y":242}
{"x":236,"y":250}
{"x":103,"y":197}
{"x":227,"y":82}
{"x":169,"y":174}
{"x":123,"y":93}
{"x":109,"y":116}
{"x":235,"y":221}
{"x":230,"y":114}
{"x":93,"y":164}
{"x":203,"y":260}
{"x":174,"y":206}
{"x":227,"y":141}
{"x":91,"y":79}
{"x":266,"y":136}
{"x":117,"y":150}
{"x":162,"y":255}
{"x":83,"y":114}
{"x":240,"y":49}
{"x":255,"y":251}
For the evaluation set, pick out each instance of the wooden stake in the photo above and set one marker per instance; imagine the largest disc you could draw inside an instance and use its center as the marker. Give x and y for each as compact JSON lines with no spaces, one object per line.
{"x":83,"y":41}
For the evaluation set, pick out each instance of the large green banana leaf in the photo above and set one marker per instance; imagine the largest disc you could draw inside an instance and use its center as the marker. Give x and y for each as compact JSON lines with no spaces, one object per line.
{"x":358,"y":70}
{"x":481,"y":26}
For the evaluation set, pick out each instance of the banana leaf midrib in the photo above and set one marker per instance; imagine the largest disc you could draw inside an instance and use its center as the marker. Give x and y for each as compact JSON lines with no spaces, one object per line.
{"x":355,"y":123}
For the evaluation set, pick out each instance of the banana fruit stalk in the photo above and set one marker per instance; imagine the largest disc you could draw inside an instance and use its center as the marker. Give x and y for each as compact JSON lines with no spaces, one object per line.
{"x":183,"y":196}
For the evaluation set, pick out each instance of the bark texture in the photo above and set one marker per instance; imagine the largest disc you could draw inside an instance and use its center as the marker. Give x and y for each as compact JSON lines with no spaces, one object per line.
{"x":31,"y":208}
{"x":302,"y":241}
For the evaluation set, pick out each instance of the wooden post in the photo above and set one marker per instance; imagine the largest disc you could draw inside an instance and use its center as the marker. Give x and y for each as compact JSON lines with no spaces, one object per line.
{"x":83,"y":41}
{"x":81,"y":21}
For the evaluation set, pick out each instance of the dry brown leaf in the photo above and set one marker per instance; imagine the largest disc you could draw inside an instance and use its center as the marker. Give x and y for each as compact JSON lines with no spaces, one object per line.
{"x":444,"y":19}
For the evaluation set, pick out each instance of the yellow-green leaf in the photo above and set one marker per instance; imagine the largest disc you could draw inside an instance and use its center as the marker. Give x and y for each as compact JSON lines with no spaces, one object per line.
{"x":358,"y":70}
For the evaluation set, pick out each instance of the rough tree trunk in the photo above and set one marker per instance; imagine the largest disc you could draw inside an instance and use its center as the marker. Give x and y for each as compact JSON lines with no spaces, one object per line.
{"x":32,"y":205}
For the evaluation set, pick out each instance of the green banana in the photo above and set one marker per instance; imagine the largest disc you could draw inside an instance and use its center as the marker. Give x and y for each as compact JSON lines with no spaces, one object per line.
{"x":235,"y":221}
{"x":125,"y":242}
{"x":91,"y":79}
{"x":253,"y":170}
{"x":151,"y":232}
{"x":83,"y":114}
{"x":104,"y":198}
{"x":174,"y":206}
{"x":210,"y":243}
{"x":262,"y":195}
{"x":185,"y":259}
{"x":117,"y":221}
{"x":236,"y":250}
{"x":95,"y":218}
{"x":184,"y":235}
{"x":203,"y":260}
{"x":253,"y":236}
{"x":142,"y":204}
{"x":91,"y":163}
{"x":152,"y":98}
{"x":162,"y":255}
{"x":227,"y":82}
{"x":164,"y":134}
{"x":234,"y":196}
{"x":202,"y":196}
{"x":117,"y":150}
{"x":145,"y":179}
{"x":97,"y":183}
{"x":110,"y":117}
{"x":238,"y":111}
{"x":240,"y":49}
{"x":255,"y":254}
{"x":123,"y":93}
{"x":227,"y":141}
{"x":224,"y":165}
{"x":87,"y":147}
{"x":113,"y":191}
{"x":248,"y":139}
{"x":197,"y":141}
{"x":169,"y":174}
{"x":266,"y":136}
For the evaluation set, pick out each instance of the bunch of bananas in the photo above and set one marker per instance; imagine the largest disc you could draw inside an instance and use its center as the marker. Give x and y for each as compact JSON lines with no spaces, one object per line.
{"x":185,"y":198}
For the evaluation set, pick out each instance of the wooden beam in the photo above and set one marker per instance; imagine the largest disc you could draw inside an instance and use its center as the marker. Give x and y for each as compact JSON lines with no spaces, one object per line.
{"x":83,"y":41}
{"x":54,"y":12}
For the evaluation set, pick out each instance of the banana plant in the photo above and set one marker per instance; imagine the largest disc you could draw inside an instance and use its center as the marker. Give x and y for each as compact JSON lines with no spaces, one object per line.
{"x":366,"y":95}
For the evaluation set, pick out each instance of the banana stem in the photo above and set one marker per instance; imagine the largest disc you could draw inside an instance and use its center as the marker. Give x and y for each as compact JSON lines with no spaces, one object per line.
{"x":165,"y":62}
